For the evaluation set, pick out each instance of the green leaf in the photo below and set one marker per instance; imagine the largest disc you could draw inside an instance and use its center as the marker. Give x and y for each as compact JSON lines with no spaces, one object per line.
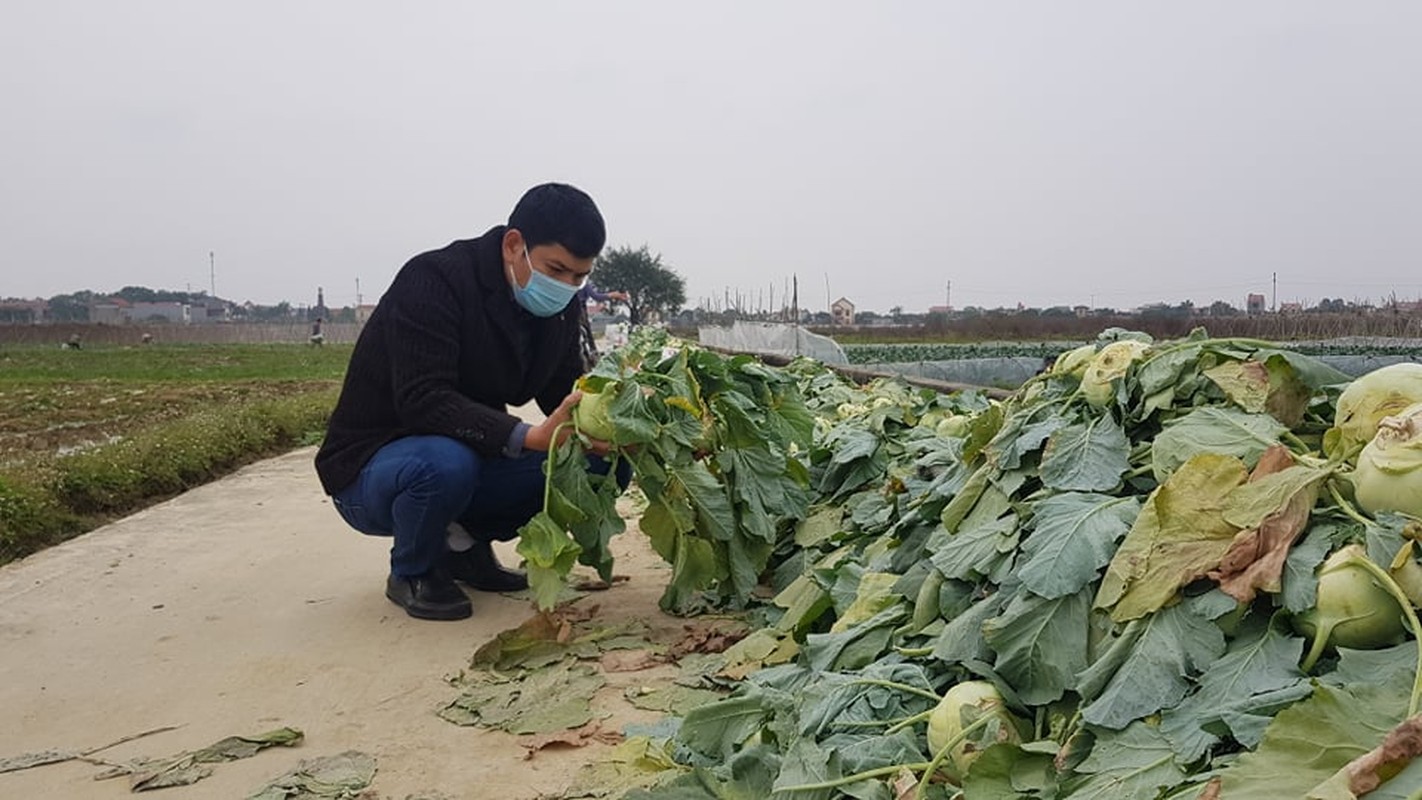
{"x":548,"y":554}
{"x":1238,"y":693}
{"x":856,"y":647}
{"x":984,"y":550}
{"x":1309,"y":741}
{"x":823,"y":524}
{"x":1148,"y":667}
{"x":1211,"y":429}
{"x":1087,"y":456}
{"x":874,"y":594}
{"x":1300,"y":578}
{"x":539,"y":701}
{"x":718,"y":730}
{"x":714,"y":515}
{"x":1137,"y":762}
{"x":1180,"y":535}
{"x":1073,"y":536}
{"x":1041,"y":644}
{"x":999,"y":773}
{"x":962,"y":638}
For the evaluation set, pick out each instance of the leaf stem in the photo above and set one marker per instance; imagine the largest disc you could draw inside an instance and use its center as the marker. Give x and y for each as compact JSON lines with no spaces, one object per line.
{"x":902,"y":687}
{"x":945,"y":753}
{"x":1347,"y":507}
{"x":907,"y":721}
{"x":877,"y":772}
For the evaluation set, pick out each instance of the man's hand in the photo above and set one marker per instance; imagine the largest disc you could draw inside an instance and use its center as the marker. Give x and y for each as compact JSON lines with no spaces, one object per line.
{"x":540,"y":436}
{"x":622,"y":296}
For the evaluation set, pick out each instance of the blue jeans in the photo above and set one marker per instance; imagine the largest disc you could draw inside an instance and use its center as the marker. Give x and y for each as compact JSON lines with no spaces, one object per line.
{"x":413,"y":487}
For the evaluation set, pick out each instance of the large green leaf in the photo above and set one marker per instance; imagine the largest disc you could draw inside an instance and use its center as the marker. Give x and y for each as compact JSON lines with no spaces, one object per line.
{"x":1309,"y":741}
{"x":1041,"y":644}
{"x":980,"y":551}
{"x":1239,"y":693}
{"x":1088,"y":456}
{"x":1180,"y":535}
{"x":1148,"y":668}
{"x":1135,"y":764}
{"x":1212,"y":429}
{"x":548,"y":555}
{"x":1073,"y":536}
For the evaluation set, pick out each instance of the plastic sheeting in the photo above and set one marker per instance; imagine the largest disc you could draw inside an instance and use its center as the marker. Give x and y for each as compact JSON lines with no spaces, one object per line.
{"x":773,"y":338}
{"x":999,"y":373}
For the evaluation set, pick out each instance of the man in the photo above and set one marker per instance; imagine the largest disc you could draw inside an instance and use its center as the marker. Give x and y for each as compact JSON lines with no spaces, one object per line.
{"x":420,"y":445}
{"x":590,"y":292}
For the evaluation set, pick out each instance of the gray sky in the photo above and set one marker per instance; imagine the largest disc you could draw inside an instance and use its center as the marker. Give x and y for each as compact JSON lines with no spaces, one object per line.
{"x":1114,"y":153}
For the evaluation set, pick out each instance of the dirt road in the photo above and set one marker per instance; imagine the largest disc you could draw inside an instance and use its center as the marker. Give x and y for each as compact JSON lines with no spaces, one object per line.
{"x":246,"y":605}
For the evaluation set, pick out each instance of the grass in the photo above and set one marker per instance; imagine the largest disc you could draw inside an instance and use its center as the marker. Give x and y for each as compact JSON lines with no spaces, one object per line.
{"x":89,"y":435}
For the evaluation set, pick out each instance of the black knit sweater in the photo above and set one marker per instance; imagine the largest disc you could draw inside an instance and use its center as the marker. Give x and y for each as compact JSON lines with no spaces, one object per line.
{"x":445,"y":352}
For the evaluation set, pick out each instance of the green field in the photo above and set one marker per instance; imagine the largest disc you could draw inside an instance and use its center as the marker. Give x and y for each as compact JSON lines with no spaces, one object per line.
{"x":86,"y":435}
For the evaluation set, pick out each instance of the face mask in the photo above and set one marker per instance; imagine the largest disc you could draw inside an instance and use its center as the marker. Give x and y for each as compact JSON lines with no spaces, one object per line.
{"x":543,"y":296}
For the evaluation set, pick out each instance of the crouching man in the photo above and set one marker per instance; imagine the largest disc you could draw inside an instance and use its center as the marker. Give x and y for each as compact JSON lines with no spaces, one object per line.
{"x":420,"y":445}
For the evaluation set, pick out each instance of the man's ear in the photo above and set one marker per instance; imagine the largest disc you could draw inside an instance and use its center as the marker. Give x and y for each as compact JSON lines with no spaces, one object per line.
{"x":513,"y":246}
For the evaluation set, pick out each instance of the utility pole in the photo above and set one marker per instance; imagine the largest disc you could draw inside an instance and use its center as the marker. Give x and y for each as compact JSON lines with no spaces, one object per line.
{"x":829,"y":305}
{"x":948,"y":297}
{"x":212,"y":271}
{"x":1275,"y":301}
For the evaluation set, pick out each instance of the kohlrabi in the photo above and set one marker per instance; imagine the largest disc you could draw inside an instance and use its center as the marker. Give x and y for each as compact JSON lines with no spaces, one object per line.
{"x":1354,"y":609}
{"x":1380,"y":393}
{"x":1074,"y":362}
{"x":1098,"y":382}
{"x":967,"y":708}
{"x":1389,"y":473}
{"x":590,"y":415}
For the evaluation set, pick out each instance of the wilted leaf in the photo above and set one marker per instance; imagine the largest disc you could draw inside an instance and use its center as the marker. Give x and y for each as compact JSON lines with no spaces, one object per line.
{"x":539,"y":701}
{"x":1180,"y":535}
{"x":549,"y":554}
{"x":1368,"y":771}
{"x":1274,"y":509}
{"x":577,"y":737}
{"x":335,"y":777}
{"x":670,"y":699}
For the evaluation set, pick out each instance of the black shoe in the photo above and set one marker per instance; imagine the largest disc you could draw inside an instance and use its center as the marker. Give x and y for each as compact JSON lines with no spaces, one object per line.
{"x":478,"y":567}
{"x":429,"y":596}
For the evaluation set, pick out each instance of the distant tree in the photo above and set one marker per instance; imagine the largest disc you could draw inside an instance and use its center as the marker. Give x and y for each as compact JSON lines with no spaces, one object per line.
{"x":71,"y":307}
{"x":654,"y":289}
{"x":897,"y":313}
{"x":1220,"y":308}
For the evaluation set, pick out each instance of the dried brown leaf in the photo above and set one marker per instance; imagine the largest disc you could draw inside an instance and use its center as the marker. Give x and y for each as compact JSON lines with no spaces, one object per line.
{"x":577,"y":737}
{"x":630,"y":660}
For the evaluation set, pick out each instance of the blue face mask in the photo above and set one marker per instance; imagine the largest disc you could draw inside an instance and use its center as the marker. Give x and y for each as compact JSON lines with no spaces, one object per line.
{"x":542,"y":296}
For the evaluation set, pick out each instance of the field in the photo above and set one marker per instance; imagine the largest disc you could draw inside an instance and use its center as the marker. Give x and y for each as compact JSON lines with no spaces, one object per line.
{"x":92,"y":433}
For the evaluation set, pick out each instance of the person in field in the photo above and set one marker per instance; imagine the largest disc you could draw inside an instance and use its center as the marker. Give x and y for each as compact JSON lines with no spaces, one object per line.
{"x":421,"y":446}
{"x":591,"y":293}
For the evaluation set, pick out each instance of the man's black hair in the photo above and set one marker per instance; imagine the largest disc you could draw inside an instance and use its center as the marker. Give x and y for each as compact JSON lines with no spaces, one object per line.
{"x":556,"y":213}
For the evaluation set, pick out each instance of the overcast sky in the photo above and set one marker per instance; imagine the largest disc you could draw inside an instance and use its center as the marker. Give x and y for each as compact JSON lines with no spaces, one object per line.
{"x":1106,"y":153}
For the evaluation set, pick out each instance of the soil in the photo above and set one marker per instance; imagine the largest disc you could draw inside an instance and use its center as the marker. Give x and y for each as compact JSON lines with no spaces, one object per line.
{"x":246,"y":605}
